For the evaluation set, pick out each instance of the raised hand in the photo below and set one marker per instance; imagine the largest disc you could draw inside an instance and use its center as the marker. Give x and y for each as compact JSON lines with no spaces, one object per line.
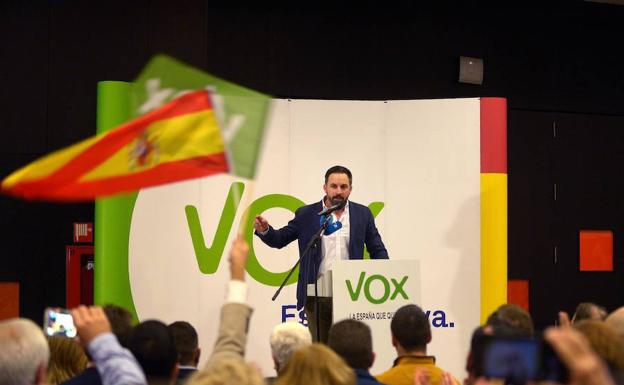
{"x":238,"y":259}
{"x":90,"y":322}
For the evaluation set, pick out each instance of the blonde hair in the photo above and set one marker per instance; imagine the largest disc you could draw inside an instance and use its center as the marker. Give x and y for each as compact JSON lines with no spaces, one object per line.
{"x":316,"y":364}
{"x":227,"y":372}
{"x":67,"y":359}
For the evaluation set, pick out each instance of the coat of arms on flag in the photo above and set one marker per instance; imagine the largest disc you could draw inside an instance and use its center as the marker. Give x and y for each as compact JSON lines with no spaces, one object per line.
{"x":189,"y":124}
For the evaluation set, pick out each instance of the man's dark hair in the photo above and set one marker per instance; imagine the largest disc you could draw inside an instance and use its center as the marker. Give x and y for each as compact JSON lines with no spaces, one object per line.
{"x":511,"y":320}
{"x":339,"y":170}
{"x":121,"y":322}
{"x":186,"y":341}
{"x":152,"y":345}
{"x":352,"y":341}
{"x":410,"y":327}
{"x":589,"y":311}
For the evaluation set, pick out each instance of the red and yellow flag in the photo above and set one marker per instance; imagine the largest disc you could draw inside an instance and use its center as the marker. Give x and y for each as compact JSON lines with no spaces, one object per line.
{"x":180,"y":140}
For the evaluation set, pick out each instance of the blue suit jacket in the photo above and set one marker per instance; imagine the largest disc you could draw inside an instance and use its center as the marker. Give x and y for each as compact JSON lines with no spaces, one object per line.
{"x":306,"y":223}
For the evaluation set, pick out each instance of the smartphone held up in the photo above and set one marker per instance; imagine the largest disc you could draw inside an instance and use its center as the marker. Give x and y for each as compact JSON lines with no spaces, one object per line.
{"x":59,"y":322}
{"x":518,"y":360}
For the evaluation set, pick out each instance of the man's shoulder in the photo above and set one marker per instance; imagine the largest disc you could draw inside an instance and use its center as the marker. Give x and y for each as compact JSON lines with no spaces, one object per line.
{"x":90,"y":376}
{"x":357,"y":206}
{"x":365,"y":378}
{"x":402,"y":372}
{"x":312,"y":208}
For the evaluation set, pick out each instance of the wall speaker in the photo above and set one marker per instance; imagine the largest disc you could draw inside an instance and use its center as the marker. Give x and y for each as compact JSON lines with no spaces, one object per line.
{"x":470,"y":70}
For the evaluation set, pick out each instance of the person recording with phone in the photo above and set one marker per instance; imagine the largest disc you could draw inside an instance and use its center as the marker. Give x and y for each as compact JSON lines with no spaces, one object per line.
{"x":583,"y":365}
{"x":121,"y":323}
{"x":350,"y":226}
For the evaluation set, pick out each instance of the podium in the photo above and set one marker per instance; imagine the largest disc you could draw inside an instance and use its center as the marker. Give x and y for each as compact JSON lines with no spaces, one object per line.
{"x":371,"y":291}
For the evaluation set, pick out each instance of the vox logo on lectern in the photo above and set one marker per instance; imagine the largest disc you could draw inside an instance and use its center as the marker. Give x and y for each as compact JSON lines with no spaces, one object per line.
{"x":391,"y":288}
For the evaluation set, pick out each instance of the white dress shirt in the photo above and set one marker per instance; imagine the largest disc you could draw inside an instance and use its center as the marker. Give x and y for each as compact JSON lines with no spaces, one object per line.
{"x":335,"y":247}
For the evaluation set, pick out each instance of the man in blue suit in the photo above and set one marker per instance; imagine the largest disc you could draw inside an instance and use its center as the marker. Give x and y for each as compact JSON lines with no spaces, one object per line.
{"x":350,"y":228}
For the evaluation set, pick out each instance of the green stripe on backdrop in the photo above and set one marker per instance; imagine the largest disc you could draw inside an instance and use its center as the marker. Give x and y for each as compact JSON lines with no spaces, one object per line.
{"x":113,"y":215}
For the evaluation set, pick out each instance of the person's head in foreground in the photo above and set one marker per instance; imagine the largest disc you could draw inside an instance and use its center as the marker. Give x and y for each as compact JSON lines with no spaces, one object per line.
{"x":411,"y":331}
{"x":589,"y":311}
{"x":510,"y":319}
{"x":153,"y":346}
{"x":316,"y":364}
{"x":352,"y":340}
{"x":24,"y":353}
{"x":67,"y":359}
{"x":286,"y":338}
{"x":187,"y":343}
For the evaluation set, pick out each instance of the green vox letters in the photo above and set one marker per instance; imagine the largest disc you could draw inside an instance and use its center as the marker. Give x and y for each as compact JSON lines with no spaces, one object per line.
{"x":364,"y":284}
{"x":209,"y":257}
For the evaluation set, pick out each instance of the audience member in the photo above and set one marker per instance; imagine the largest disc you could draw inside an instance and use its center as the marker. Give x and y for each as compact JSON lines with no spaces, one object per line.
{"x":227,"y":372}
{"x":225,"y":365}
{"x":316,"y":364}
{"x":115,"y":364}
{"x":352,"y":340}
{"x":411,"y":333}
{"x":67,"y":359}
{"x":511,"y":320}
{"x":235,"y":313}
{"x":285,"y":339}
{"x":152,"y":345}
{"x":589,"y":311}
{"x":121,"y":323}
{"x":187,"y":346}
{"x":24,"y":353}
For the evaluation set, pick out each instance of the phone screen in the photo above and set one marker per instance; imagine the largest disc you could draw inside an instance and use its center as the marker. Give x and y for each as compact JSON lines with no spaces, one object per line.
{"x":513,"y":359}
{"x":59,"y":322}
{"x":519,"y":360}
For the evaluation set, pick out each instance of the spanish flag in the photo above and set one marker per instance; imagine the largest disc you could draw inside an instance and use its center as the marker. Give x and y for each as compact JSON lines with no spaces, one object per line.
{"x":180,"y":140}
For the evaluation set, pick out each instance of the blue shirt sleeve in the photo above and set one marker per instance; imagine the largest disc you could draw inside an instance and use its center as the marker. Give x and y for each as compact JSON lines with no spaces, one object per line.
{"x":116,"y":365}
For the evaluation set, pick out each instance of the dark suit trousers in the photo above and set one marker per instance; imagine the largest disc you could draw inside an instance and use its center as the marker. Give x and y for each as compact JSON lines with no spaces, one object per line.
{"x":325,"y":317}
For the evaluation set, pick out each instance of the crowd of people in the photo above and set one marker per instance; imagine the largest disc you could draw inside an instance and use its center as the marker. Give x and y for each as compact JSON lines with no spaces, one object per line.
{"x":589,"y":348}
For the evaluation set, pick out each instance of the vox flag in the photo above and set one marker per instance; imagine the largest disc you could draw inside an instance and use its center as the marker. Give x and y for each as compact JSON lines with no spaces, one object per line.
{"x":241,"y":112}
{"x":176,"y":141}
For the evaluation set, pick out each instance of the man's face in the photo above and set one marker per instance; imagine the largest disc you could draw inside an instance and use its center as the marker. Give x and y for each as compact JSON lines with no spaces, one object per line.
{"x":337,"y":188}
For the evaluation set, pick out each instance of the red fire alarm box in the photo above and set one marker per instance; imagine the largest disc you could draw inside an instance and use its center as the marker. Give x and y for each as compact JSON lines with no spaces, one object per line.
{"x":83,"y":232}
{"x":79,"y":275}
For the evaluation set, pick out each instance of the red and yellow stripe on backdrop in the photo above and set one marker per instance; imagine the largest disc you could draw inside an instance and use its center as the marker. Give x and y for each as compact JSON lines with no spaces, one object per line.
{"x":493,"y":205}
{"x":180,"y":140}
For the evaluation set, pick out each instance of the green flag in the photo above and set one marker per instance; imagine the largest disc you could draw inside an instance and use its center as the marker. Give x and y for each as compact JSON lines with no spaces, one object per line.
{"x":242,"y":112}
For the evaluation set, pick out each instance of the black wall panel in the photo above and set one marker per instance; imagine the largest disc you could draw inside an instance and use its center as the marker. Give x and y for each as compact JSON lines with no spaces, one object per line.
{"x":555,"y":62}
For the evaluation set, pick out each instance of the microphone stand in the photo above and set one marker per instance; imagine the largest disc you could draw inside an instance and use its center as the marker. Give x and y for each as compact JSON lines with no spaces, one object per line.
{"x":311,"y":244}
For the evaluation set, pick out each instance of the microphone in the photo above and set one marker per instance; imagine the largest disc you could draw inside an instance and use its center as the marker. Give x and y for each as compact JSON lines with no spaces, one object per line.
{"x":331,"y":209}
{"x":331,"y":226}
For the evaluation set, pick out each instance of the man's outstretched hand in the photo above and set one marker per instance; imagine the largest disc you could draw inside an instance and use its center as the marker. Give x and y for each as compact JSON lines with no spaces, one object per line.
{"x":260,"y":224}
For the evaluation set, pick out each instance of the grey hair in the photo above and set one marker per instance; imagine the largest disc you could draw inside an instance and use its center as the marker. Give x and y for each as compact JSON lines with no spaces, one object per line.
{"x":23,"y":351}
{"x":285,"y":339}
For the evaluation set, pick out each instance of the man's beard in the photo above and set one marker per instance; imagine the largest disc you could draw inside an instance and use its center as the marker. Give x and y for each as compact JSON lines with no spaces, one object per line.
{"x":338,"y":200}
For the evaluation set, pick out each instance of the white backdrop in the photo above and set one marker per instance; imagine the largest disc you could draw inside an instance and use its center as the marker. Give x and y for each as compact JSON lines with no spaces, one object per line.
{"x":421,"y":158}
